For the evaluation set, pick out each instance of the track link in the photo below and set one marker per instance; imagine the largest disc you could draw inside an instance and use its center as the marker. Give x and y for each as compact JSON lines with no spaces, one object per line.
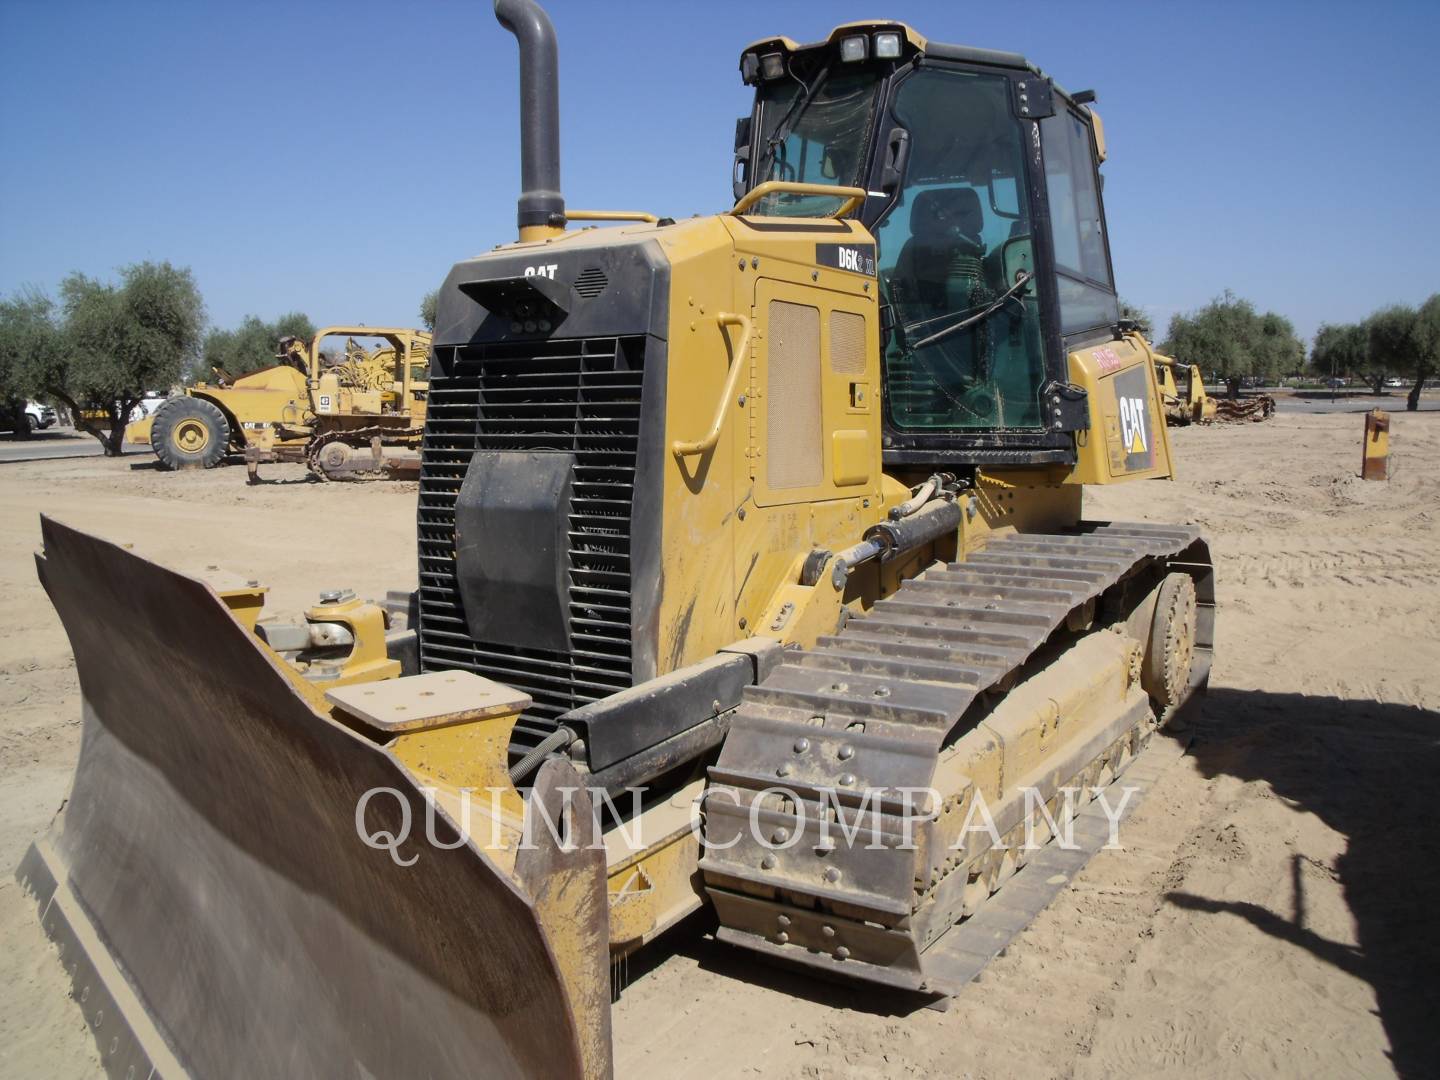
{"x":865,"y":715}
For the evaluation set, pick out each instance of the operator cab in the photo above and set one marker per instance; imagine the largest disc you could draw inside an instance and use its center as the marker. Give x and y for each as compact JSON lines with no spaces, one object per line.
{"x":984,"y":199}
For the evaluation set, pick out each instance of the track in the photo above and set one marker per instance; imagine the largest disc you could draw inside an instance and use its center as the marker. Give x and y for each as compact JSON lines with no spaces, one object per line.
{"x":869,"y":710}
{"x":359,"y":440}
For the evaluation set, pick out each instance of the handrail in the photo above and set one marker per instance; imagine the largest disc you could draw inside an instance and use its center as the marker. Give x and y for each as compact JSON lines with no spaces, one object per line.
{"x":679,"y":447}
{"x":854,"y":196}
{"x":610,"y":215}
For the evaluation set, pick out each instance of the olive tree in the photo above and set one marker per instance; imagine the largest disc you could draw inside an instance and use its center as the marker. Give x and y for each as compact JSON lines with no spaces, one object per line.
{"x":116,"y":341}
{"x":1342,"y":349}
{"x":1427,"y":348}
{"x":1211,"y":338}
{"x":1406,"y":340}
{"x":251,"y":345}
{"x":1277,"y":350}
{"x":1230,"y":340}
{"x":30,"y":339}
{"x":428,"y":304}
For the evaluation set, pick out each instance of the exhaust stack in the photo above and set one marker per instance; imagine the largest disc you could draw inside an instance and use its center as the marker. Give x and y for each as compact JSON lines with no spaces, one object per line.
{"x":542,"y":207}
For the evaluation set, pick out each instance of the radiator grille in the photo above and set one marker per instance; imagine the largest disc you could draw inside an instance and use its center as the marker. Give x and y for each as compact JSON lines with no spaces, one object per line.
{"x":580,"y":396}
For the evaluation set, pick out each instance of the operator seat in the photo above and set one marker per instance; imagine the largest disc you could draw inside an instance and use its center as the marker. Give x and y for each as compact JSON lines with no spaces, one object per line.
{"x":944,"y":245}
{"x":939,"y":278}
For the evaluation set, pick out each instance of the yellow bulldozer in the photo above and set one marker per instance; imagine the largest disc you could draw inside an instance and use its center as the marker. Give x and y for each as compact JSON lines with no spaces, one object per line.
{"x":1194,"y":405}
{"x":753,"y":563}
{"x":1191,"y":406}
{"x":347,"y":415}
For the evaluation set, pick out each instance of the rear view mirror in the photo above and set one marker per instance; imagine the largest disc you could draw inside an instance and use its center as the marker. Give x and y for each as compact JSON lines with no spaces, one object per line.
{"x":740,"y":175}
{"x":1004,"y":195}
{"x":742,"y":133}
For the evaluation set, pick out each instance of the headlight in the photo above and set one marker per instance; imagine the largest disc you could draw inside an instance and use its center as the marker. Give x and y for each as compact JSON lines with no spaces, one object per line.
{"x":772,"y":65}
{"x":854,"y":48}
{"x":887,"y":46}
{"x":749,"y":67}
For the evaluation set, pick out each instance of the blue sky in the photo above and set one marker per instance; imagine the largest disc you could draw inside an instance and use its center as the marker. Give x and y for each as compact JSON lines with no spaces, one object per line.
{"x":338,"y":157}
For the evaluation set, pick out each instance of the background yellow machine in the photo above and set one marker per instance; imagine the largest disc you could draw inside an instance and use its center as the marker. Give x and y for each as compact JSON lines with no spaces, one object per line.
{"x":1189,"y":406}
{"x":336,"y":416}
{"x":773,"y":516}
{"x":1193,"y":405}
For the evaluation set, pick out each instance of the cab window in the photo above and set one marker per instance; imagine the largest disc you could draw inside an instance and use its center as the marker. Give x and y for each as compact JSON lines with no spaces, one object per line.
{"x":1085,"y":290}
{"x":821,"y":140}
{"x":955,"y":262}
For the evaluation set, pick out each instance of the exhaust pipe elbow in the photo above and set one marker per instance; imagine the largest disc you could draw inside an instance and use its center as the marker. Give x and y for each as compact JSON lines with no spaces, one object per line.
{"x":541,"y":203}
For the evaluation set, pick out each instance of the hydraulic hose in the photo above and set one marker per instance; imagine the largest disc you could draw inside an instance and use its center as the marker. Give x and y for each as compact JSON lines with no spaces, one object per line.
{"x":556,"y":740}
{"x":924,"y":493}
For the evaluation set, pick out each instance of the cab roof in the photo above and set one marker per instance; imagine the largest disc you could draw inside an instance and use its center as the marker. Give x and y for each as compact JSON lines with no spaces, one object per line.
{"x":915,"y":43}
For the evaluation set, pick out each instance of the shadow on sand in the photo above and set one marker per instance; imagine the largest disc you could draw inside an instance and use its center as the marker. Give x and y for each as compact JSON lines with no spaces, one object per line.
{"x":1368,"y":770}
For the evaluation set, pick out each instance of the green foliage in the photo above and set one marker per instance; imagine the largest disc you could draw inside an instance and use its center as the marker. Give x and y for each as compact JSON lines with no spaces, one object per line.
{"x":30,"y":342}
{"x":1277,"y":350}
{"x":1392,"y":338}
{"x":1397,"y":343}
{"x":251,"y":345}
{"x":1340,"y":349}
{"x":116,"y":342}
{"x":428,"y":304}
{"x":1140,"y":317}
{"x":124,"y":339}
{"x":1426,"y":339}
{"x":1396,"y":340}
{"x":1427,"y":333}
{"x":1230,"y":340}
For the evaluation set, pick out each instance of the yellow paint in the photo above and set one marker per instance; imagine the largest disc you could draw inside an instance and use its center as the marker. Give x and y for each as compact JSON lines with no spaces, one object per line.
{"x":610,"y":215}
{"x":471,"y":756}
{"x":1101,"y":153}
{"x":850,"y":197}
{"x":281,"y":406}
{"x":530,"y":234}
{"x":245,"y":603}
{"x":1100,"y":451}
{"x":739,"y":364}
{"x":652,"y":882}
{"x":1195,"y":405}
{"x":851,"y":458}
{"x":1375,"y":464}
{"x":367,"y":660}
{"x":913,"y":37}
{"x":1013,"y":747}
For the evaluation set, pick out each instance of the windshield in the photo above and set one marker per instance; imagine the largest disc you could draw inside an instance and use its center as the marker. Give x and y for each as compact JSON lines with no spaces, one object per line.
{"x":820,"y":141}
{"x":955,"y":263}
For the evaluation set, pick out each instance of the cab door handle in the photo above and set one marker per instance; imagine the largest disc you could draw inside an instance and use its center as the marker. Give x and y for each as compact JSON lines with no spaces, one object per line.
{"x":683,"y":449}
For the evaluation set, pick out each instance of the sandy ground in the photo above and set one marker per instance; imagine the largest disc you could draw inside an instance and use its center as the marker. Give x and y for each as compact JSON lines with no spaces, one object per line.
{"x":1272,"y":913}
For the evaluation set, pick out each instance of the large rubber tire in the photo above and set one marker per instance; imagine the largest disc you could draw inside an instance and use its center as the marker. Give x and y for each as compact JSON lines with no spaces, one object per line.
{"x":190,"y":433}
{"x":31,"y":424}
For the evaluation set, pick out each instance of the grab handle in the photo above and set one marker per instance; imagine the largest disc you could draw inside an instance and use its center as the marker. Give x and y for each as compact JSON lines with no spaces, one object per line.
{"x":684,"y":449}
{"x":853,"y":196}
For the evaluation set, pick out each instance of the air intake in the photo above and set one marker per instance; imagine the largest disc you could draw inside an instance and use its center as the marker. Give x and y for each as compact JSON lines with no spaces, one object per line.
{"x":591,"y":282}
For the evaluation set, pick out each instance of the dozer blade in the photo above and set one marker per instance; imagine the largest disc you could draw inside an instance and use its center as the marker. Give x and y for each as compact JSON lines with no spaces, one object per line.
{"x":215,"y":905}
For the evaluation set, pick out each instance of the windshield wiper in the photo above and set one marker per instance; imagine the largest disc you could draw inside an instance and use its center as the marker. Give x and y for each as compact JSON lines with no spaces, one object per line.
{"x":787,"y":122}
{"x":979,"y":316}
